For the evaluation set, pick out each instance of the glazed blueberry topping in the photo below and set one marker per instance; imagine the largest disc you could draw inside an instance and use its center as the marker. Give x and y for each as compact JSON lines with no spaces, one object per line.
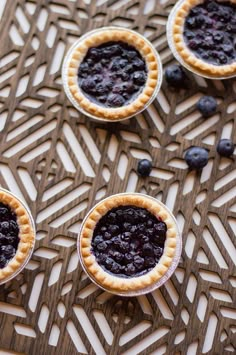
{"x":9,"y":231}
{"x":112,"y":74}
{"x":144,"y":167}
{"x":210,"y":32}
{"x":196,"y":157}
{"x":175,"y":76}
{"x":207,"y":106}
{"x":225,"y":147}
{"x":136,"y":243}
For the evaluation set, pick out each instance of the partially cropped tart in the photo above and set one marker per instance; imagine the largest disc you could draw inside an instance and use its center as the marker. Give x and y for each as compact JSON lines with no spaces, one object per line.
{"x":204,"y":34}
{"x":16,"y":235}
{"x":128,"y":242}
{"x":112,"y":73}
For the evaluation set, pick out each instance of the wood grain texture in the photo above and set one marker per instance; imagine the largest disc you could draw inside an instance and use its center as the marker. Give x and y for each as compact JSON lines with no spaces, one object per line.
{"x":42,"y":137}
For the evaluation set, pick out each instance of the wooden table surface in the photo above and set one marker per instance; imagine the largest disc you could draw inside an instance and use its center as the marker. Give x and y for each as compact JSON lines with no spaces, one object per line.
{"x":61,"y":163}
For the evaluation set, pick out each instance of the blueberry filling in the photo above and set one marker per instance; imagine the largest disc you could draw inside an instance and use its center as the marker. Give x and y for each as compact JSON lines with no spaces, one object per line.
{"x":9,"y":232}
{"x":128,"y":241}
{"x":210,"y":32}
{"x":112,"y":74}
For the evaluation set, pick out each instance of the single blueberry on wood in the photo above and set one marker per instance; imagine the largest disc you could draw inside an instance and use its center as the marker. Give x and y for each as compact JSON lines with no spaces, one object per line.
{"x":175,"y":76}
{"x":207,"y":106}
{"x":144,"y":167}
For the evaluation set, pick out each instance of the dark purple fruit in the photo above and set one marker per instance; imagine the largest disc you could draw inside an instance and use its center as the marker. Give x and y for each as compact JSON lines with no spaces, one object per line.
{"x":207,"y":106}
{"x":196,"y":157}
{"x":115,"y":100}
{"x":225,"y":147}
{"x":175,"y":76}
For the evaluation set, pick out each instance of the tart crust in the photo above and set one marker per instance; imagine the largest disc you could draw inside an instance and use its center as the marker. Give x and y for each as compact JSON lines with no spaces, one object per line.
{"x":26,"y":235}
{"x":185,"y":52}
{"x":94,"y":40}
{"x":120,"y":284}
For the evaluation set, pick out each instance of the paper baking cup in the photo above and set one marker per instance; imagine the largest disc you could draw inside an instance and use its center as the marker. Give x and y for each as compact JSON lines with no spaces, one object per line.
{"x":170,"y":39}
{"x":157,"y":284}
{"x":31,"y":249}
{"x":68,"y":58}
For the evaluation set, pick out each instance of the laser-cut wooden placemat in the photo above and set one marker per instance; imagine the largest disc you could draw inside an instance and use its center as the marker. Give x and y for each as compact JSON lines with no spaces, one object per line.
{"x":61,"y":163}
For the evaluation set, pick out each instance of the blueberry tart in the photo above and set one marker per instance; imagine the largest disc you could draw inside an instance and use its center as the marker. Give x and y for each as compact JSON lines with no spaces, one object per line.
{"x":112,"y":73}
{"x":128,"y":242}
{"x":204,"y":34}
{"x":16,"y":235}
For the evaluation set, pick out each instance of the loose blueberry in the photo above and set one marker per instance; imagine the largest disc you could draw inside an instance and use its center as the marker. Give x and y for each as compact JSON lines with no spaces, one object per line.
{"x":196,"y":157}
{"x":139,"y":78}
{"x":207,"y":106}
{"x":138,"y":239}
{"x":225,"y":147}
{"x":144,"y":167}
{"x":175,"y":76}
